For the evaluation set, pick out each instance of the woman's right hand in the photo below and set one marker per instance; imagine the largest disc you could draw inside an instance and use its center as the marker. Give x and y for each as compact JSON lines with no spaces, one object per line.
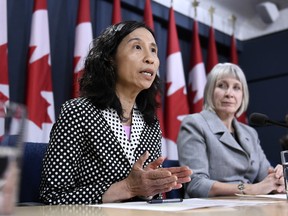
{"x":150,"y":181}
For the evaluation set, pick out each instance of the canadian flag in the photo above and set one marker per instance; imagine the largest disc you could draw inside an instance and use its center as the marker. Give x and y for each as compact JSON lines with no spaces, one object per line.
{"x":233,"y":50}
{"x":83,"y":37}
{"x":212,"y":57}
{"x":148,"y":19}
{"x":4,"y":80}
{"x":197,"y":75}
{"x":234,"y":59}
{"x":39,"y":97}
{"x":176,"y":101}
{"x":116,"y":14}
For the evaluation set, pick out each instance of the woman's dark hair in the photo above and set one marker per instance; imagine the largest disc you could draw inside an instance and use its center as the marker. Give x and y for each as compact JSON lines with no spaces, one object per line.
{"x":99,"y":77}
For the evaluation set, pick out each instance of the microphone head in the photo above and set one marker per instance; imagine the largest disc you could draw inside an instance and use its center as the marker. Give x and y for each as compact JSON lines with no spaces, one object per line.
{"x":258,"y":119}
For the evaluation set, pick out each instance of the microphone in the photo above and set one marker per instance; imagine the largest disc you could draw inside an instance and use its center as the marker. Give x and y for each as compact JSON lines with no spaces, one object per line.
{"x":260,"y":119}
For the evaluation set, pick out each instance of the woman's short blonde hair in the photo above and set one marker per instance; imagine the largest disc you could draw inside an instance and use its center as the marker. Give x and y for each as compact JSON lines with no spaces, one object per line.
{"x":223,"y":70}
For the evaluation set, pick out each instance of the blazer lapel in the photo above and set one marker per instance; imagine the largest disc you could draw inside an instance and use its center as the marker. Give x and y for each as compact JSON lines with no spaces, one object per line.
{"x":220,"y":130}
{"x":243,"y":137}
{"x":137,"y":126}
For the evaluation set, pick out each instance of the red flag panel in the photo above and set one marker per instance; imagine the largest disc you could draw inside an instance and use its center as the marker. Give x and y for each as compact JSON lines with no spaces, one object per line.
{"x":116,"y":14}
{"x":233,"y":50}
{"x":197,"y":75}
{"x":212,"y":56}
{"x":148,"y":17}
{"x":4,"y":80}
{"x":83,"y":37}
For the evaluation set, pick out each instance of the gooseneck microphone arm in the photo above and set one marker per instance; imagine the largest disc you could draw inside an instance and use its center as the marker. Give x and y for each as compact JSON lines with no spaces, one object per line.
{"x":260,"y":119}
{"x":277,"y":123}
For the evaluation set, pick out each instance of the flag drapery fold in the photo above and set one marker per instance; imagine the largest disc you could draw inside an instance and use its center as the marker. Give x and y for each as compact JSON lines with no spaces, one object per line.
{"x":4,"y":78}
{"x":39,"y":90}
{"x":197,"y":74}
{"x":176,"y":100}
{"x":83,"y":38}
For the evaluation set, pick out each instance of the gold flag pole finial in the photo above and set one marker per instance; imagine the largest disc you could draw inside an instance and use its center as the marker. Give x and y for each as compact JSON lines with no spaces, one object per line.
{"x":195,"y":4}
{"x":211,"y":11}
{"x":233,"y":19}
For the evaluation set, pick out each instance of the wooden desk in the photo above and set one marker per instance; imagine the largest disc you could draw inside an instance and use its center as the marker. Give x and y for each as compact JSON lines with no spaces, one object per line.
{"x":276,"y":209}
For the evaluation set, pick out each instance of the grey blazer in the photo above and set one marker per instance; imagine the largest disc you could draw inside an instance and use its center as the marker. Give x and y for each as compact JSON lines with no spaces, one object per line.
{"x":210,"y":150}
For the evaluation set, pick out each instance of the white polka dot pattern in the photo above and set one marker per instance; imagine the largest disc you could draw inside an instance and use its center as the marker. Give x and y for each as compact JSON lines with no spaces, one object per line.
{"x":88,"y":153}
{"x":114,"y":122}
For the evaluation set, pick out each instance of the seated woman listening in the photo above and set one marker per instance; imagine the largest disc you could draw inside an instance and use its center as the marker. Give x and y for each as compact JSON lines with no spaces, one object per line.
{"x":224,"y":154}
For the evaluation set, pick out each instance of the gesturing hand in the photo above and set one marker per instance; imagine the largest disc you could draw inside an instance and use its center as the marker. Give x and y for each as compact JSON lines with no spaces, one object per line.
{"x":151,"y":180}
{"x":183,"y":173}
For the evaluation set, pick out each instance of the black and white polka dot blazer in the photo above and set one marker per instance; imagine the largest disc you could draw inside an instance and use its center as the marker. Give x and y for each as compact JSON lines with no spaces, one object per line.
{"x":89,"y":151}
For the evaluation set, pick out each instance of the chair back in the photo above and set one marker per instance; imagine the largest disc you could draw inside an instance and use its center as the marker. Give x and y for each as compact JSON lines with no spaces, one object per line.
{"x":33,"y":154}
{"x":176,"y":193}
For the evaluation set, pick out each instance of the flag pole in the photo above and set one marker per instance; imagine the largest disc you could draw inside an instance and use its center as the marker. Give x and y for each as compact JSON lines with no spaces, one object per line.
{"x":233,"y":19}
{"x":195,"y":4}
{"x":211,"y":11}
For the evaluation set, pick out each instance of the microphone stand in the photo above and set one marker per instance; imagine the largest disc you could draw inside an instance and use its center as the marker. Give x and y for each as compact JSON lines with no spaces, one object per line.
{"x":277,"y":123}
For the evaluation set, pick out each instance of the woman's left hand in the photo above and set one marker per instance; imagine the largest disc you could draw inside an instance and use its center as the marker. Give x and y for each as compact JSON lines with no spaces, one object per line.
{"x":278,"y":170}
{"x":183,"y":173}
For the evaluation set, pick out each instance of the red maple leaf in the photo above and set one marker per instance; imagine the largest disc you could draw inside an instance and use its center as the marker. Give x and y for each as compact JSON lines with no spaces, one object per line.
{"x":39,"y":79}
